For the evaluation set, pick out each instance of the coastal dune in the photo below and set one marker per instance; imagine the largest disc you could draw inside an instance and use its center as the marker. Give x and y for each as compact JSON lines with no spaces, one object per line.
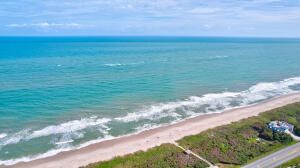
{"x":147,"y":139}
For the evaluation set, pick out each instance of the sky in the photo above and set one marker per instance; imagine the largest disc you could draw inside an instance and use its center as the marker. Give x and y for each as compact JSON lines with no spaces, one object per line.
{"x":247,"y":18}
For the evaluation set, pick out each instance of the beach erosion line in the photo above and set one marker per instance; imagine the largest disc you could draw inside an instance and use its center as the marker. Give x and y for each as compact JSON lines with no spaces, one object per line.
{"x":206,"y":104}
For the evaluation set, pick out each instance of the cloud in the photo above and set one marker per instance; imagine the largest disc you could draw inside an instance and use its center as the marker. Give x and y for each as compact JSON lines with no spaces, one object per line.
{"x":207,"y":26}
{"x":203,"y":10}
{"x":16,"y":25}
{"x":46,"y":25}
{"x":157,"y":17}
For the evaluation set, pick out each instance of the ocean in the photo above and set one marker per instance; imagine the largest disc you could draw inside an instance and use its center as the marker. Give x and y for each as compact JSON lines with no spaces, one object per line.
{"x":64,"y":93}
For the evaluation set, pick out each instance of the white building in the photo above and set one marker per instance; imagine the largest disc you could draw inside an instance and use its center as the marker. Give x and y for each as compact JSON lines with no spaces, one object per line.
{"x":281,"y":126}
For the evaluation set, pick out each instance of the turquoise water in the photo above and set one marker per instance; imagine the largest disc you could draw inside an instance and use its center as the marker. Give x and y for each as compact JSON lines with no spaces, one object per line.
{"x":62,"y":93}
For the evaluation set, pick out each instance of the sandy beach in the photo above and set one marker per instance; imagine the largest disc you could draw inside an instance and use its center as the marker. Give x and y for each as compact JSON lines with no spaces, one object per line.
{"x":166,"y":134}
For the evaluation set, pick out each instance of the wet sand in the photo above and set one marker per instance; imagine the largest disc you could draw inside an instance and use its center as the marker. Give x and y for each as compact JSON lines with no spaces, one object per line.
{"x":147,"y":139}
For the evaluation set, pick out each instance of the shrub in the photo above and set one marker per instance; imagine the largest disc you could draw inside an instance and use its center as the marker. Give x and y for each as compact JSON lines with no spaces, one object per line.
{"x":297,"y":131}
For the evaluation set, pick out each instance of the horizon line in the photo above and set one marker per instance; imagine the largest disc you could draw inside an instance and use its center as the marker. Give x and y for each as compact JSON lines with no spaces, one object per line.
{"x":190,"y":36}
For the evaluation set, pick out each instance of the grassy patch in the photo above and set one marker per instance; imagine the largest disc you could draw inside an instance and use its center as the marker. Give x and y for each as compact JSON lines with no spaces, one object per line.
{"x":164,"y":156}
{"x":220,"y":165}
{"x":295,"y":163}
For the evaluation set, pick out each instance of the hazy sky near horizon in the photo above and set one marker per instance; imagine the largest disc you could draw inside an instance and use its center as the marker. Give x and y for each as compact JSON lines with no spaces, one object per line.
{"x":270,"y":18}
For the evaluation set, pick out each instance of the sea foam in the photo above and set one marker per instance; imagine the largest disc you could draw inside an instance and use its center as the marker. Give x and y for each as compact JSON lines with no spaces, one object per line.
{"x":64,"y":128}
{"x":2,"y":135}
{"x":119,"y":64}
{"x":70,"y":126}
{"x":214,"y":102}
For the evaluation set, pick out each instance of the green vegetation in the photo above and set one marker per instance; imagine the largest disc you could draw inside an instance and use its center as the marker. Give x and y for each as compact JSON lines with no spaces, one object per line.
{"x":295,"y":163}
{"x":243,"y":141}
{"x":164,"y":156}
{"x":297,"y":130}
{"x":220,"y":165}
{"x":227,"y":146}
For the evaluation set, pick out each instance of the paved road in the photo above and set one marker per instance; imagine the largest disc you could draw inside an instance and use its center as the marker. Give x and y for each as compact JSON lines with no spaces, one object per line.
{"x":276,"y":158}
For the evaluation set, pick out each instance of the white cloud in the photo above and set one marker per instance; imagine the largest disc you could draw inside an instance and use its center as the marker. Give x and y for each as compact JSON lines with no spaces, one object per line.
{"x":207,"y":26}
{"x":46,"y":24}
{"x":152,"y":17}
{"x":16,"y":25}
{"x":203,"y":10}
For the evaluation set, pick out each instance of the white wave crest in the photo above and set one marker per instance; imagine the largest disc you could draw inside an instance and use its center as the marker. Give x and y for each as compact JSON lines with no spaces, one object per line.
{"x":145,"y":127}
{"x":64,"y":128}
{"x":112,"y":65}
{"x":63,"y":146}
{"x":64,"y":142}
{"x":2,"y":135}
{"x":27,"y":159}
{"x":118,"y":64}
{"x":216,"y":102}
{"x":220,"y":56}
{"x":70,"y":126}
{"x":13,"y":138}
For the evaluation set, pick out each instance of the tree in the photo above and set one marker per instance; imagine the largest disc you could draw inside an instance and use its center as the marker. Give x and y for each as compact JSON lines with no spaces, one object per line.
{"x":267,"y":135}
{"x":297,"y":131}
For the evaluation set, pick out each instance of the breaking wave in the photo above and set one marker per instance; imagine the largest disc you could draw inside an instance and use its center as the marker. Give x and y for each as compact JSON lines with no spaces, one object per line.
{"x":214,"y":102}
{"x":112,"y":65}
{"x":70,"y":127}
{"x":3,"y":135}
{"x":220,"y":56}
{"x":177,"y":110}
{"x":119,"y":64}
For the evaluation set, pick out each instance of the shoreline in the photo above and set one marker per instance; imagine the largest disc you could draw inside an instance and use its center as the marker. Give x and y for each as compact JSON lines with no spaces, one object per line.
{"x":144,"y":140}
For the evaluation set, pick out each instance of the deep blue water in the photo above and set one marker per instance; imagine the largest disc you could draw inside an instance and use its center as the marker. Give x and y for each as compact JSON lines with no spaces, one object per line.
{"x":61,"y":93}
